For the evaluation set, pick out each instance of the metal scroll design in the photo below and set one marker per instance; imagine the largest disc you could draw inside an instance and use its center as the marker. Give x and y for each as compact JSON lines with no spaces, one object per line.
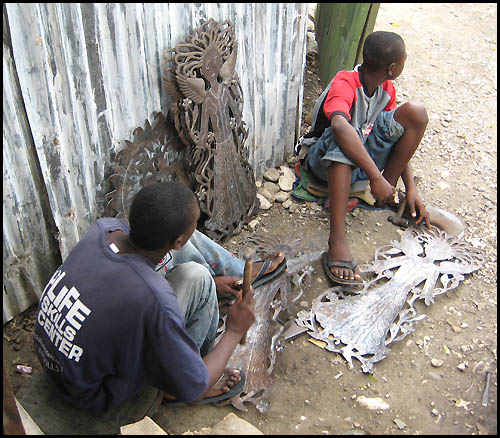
{"x":273,"y":303}
{"x":423,"y":265}
{"x":155,"y":155}
{"x":207,"y":111}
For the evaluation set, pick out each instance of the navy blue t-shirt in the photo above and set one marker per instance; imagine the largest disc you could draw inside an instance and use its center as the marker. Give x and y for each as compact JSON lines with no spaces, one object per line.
{"x":108,"y":323}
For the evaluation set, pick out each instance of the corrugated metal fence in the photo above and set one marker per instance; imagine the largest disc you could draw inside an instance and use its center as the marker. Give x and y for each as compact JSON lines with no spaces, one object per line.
{"x":78,"y":78}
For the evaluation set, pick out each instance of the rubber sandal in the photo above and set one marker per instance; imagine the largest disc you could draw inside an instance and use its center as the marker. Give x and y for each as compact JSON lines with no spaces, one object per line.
{"x":262,"y":277}
{"x":236,"y":389}
{"x":327,"y":264}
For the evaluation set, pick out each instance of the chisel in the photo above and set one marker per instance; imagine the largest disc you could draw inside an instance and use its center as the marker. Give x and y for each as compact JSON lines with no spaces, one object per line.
{"x":247,"y":280}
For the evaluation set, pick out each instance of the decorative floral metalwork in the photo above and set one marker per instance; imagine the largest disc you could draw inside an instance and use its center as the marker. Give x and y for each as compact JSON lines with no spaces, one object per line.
{"x":155,"y":155}
{"x":423,"y":265}
{"x":207,"y":110}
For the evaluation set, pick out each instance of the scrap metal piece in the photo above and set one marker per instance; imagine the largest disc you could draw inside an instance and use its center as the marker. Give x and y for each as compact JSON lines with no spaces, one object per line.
{"x":155,"y":155}
{"x":486,"y":393}
{"x":273,"y":303}
{"x":207,"y":109}
{"x":424,"y":264}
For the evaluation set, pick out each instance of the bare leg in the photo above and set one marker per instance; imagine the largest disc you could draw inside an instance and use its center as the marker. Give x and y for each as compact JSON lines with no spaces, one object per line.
{"x":225,"y":383}
{"x":339,"y":183}
{"x":413,"y":117}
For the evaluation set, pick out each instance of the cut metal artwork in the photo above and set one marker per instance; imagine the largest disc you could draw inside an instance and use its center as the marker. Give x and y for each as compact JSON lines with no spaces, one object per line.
{"x":207,"y":111}
{"x":424,"y":264}
{"x":155,"y":155}
{"x":273,"y":303}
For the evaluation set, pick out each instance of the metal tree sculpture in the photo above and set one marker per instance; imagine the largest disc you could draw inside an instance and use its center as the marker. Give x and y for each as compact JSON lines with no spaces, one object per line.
{"x":364,"y":324}
{"x":207,"y":110}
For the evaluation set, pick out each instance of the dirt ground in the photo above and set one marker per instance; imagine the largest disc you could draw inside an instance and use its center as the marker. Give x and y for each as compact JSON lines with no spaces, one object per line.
{"x":452,"y":69}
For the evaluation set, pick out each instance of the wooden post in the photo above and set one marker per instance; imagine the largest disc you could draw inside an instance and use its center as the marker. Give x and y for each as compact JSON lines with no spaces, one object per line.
{"x":340,"y":31}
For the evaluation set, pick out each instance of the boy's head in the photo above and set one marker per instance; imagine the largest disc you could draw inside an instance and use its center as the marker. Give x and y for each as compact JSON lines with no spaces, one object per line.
{"x":162,"y":214}
{"x":381,"y":49}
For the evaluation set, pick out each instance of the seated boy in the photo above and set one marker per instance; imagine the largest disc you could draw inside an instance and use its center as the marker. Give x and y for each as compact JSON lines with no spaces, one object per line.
{"x":109,"y":328}
{"x":366,"y":137}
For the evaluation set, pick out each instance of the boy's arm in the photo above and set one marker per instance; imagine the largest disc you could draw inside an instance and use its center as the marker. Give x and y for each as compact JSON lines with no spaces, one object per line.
{"x":413,"y":200}
{"x":353,"y":148}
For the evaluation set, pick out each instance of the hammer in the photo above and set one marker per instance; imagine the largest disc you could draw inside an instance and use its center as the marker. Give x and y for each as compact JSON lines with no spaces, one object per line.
{"x":398,"y":218}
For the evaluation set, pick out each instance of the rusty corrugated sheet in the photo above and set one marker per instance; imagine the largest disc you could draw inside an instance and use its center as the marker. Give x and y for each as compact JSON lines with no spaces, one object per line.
{"x":89,"y":73}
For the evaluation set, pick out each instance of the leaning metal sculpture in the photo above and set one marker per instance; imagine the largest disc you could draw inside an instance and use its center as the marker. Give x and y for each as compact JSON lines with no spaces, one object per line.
{"x":207,"y":110}
{"x":424,"y":264}
{"x":155,"y":155}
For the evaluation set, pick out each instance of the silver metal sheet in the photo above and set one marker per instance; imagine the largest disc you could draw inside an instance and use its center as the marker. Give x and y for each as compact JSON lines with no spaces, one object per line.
{"x":361,"y":325}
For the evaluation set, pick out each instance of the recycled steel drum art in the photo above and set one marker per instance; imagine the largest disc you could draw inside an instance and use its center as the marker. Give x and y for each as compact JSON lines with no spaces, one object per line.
{"x":207,"y":111}
{"x":273,"y":303}
{"x":155,"y":155}
{"x":423,"y":265}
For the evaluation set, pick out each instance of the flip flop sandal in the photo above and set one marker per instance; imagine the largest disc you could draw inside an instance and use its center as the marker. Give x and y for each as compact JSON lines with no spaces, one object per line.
{"x":335,"y":263}
{"x":236,"y":389}
{"x":262,"y":277}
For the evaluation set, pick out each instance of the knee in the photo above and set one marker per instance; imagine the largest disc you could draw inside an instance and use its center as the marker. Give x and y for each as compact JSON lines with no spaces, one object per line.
{"x":413,"y":114}
{"x":192,"y":271}
{"x":192,"y":276}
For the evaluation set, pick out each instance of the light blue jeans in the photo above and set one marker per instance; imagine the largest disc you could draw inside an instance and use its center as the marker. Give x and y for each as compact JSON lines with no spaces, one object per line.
{"x":190,"y":273}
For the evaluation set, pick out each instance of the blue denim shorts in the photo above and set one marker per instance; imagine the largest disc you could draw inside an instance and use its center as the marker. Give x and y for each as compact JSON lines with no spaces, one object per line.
{"x":385,"y":133}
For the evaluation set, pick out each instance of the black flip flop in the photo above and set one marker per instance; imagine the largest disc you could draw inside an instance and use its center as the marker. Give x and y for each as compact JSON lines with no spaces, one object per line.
{"x":236,"y":389}
{"x":327,"y":264}
{"x":262,"y":277}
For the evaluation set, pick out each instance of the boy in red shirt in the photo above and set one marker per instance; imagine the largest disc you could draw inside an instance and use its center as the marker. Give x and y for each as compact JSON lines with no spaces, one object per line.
{"x":366,"y":137}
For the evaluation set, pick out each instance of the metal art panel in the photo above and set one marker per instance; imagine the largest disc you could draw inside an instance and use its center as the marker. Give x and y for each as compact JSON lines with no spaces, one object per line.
{"x":207,"y":110}
{"x":273,"y":303}
{"x":155,"y":155}
{"x":361,"y":325}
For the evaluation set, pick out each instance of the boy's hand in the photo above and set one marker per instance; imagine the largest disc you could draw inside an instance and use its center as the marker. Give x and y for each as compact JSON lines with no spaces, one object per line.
{"x":227,"y":285}
{"x":241,"y":314}
{"x":414,"y":202}
{"x":381,"y":190}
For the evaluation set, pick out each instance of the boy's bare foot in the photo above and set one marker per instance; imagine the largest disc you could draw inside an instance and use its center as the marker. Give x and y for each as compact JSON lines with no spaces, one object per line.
{"x":228,"y":379}
{"x":277,"y":258}
{"x":339,"y":250}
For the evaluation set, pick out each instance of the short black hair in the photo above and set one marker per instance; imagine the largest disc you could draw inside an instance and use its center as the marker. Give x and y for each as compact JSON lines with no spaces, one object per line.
{"x":381,"y":49}
{"x":160,"y":213}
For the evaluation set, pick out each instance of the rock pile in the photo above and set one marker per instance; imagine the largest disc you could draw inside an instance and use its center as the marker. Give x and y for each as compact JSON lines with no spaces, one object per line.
{"x":276,"y":186}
